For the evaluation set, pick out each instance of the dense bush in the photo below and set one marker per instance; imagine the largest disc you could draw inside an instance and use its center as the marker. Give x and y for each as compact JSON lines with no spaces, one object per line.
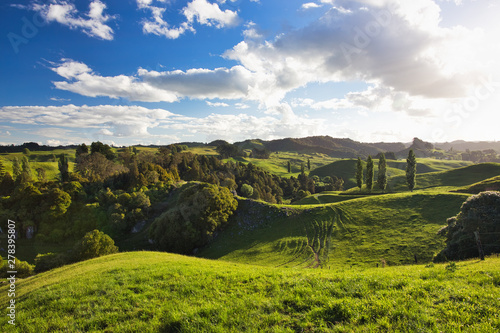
{"x":22,"y":268}
{"x":199,"y":211}
{"x":479,"y":213}
{"x":94,"y":244}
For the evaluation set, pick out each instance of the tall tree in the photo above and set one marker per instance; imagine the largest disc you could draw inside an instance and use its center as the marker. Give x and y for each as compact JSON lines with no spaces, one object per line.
{"x":411,"y":170}
{"x":309,"y":164}
{"x":382,"y":172}
{"x":359,"y":173}
{"x":289,"y":165}
{"x":26,"y":173}
{"x":2,"y":168}
{"x":369,"y":173}
{"x":16,"y":168}
{"x":64,"y":168}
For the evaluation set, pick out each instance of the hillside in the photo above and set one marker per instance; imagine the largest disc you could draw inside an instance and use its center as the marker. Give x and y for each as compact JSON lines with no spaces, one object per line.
{"x":161,"y":292}
{"x":345,"y":169}
{"x":456,"y":177}
{"x":362,"y":231}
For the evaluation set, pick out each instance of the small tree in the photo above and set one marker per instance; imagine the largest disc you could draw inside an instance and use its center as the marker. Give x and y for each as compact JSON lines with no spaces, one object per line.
{"x":289,"y":165}
{"x":41,"y":175}
{"x":309,"y":164}
{"x":369,"y":173}
{"x":94,"y":244}
{"x":2,"y":168}
{"x":359,"y":173}
{"x":411,"y":170}
{"x":382,"y":172}
{"x":246,"y":190}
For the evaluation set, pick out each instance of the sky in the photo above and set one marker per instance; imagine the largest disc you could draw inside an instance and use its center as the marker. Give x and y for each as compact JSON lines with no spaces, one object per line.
{"x":128,"y":72}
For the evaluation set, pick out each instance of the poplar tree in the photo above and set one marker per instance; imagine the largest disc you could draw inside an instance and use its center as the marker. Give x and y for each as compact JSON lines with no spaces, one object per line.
{"x":289,"y":165}
{"x":411,"y":170}
{"x":359,"y":173}
{"x":16,"y":168}
{"x":382,"y":172}
{"x":369,"y":173}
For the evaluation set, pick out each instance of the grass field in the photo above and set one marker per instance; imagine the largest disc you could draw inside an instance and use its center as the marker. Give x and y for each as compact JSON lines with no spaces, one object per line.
{"x":160,"y":292}
{"x":362,"y":231}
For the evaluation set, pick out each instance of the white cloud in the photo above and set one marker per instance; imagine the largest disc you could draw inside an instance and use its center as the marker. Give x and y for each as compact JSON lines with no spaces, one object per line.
{"x":310,"y":5}
{"x":200,"y":11}
{"x":93,"y":23}
{"x":217,"y":104}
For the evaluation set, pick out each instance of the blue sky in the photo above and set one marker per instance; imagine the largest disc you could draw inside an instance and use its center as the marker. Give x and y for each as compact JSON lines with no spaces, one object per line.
{"x":162,"y":71}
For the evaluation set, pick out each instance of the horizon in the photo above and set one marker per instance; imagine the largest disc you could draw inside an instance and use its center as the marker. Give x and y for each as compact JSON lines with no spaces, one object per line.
{"x":157,"y":72}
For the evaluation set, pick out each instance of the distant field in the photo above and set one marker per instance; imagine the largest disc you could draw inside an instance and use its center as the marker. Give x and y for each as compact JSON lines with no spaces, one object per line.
{"x":161,"y":292}
{"x":393,"y":227}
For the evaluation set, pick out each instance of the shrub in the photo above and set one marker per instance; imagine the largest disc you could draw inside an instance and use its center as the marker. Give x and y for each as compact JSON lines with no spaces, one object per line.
{"x":94,"y":244}
{"x":47,"y":261}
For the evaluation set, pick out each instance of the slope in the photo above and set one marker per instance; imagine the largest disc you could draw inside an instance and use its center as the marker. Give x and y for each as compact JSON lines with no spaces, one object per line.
{"x":452,"y":178}
{"x":393,"y":227}
{"x":161,"y":292}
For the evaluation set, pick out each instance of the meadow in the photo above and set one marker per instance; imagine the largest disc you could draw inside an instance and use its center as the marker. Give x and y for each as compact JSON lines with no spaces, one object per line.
{"x":161,"y":292}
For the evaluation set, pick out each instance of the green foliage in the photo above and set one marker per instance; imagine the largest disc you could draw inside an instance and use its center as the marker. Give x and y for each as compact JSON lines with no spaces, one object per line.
{"x":94,"y":244}
{"x":26,"y":172}
{"x":289,"y":166}
{"x":201,"y":209}
{"x":246,"y":190}
{"x":16,"y":168}
{"x":411,"y":170}
{"x":101,"y":148}
{"x":359,"y":173}
{"x":48,"y":261}
{"x":22,"y":268}
{"x":63,"y":168}
{"x":479,"y":213}
{"x":382,"y":172}
{"x":369,"y":173}
{"x":226,"y":150}
{"x":2,"y":168}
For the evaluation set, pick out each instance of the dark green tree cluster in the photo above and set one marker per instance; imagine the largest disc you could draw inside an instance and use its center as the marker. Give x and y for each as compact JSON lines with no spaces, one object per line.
{"x":262,"y":153}
{"x":474,"y":230}
{"x":227,"y":150}
{"x":200,"y":211}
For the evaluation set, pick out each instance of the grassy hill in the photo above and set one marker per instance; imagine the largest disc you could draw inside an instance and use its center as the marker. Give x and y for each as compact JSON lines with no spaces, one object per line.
{"x":346,"y":168}
{"x":360,"y":231}
{"x":452,"y":178}
{"x":160,"y":292}
{"x":490,"y":184}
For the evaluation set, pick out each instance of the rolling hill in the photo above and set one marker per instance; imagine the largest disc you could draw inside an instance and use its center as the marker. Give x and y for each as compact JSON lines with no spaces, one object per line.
{"x":161,"y":292}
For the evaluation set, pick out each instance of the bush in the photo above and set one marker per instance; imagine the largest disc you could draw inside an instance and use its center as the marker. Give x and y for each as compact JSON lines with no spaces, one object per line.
{"x":47,"y":261}
{"x":22,"y":268}
{"x":246,"y":190}
{"x":94,"y":244}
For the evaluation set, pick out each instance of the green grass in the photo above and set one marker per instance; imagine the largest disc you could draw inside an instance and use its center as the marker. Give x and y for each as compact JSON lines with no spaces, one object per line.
{"x":322,"y":198}
{"x":452,"y":178}
{"x":346,"y":168}
{"x":393,"y":227}
{"x":490,"y":184}
{"x":160,"y":292}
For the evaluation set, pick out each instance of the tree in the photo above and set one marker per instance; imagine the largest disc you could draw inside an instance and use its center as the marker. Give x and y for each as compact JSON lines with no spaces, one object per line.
{"x":289,"y":165}
{"x":40,"y":173}
{"x":479,"y":214}
{"x":246,"y":190}
{"x":359,"y":173}
{"x":104,"y":149}
{"x":64,"y":168}
{"x":309,"y":164}
{"x":94,"y":244}
{"x":411,"y":170}
{"x":369,"y":173}
{"x":200,"y":210}
{"x":16,"y":168}
{"x":382,"y":172}
{"x":26,"y":173}
{"x":81,"y":149}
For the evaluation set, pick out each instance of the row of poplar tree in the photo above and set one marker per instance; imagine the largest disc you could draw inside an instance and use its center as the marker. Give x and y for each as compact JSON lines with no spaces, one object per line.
{"x":411,"y":171}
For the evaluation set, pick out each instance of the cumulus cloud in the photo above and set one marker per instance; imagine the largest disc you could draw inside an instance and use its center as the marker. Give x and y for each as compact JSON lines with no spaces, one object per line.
{"x":92,"y":23}
{"x":200,"y":11}
{"x":120,"y":120}
{"x":217,"y":104}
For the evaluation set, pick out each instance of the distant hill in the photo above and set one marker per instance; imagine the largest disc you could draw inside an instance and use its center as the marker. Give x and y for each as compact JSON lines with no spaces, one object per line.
{"x":464,"y":145}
